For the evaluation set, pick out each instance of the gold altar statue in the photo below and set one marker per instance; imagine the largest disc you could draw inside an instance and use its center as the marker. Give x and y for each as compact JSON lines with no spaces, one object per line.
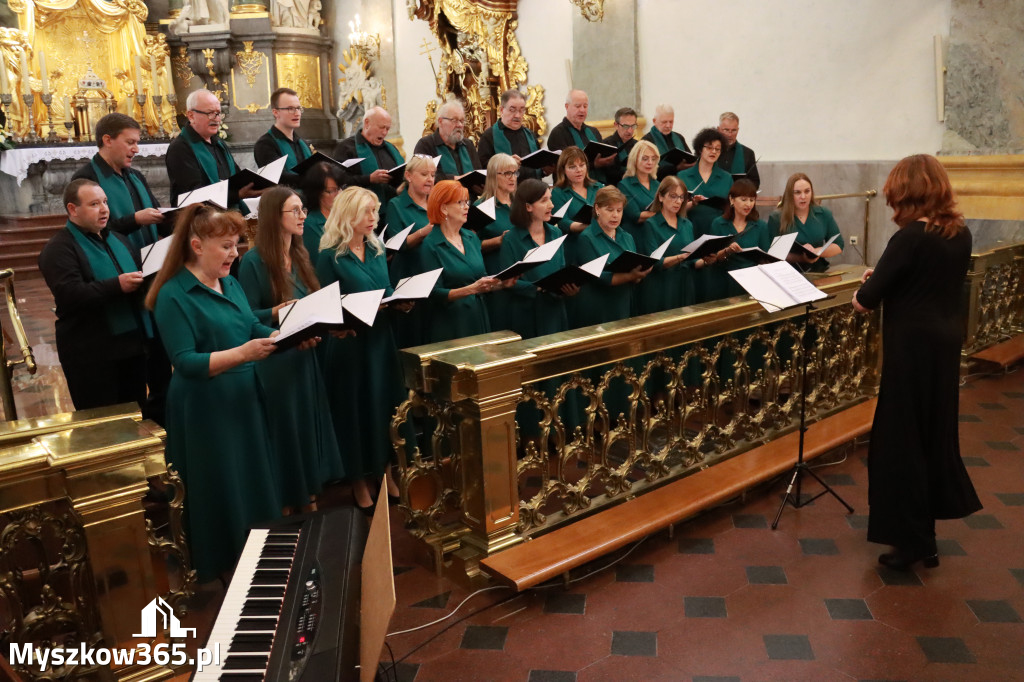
{"x":75,"y":37}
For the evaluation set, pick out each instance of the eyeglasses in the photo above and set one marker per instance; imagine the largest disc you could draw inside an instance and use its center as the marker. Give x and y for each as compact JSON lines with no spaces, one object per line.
{"x":509,"y":174}
{"x":297,"y":212}
{"x":332,"y":192}
{"x":675,"y":197}
{"x":456,"y":121}
{"x":516,"y":110}
{"x":713,"y":147}
{"x":290,"y":110}
{"x":627,"y":126}
{"x":209,"y":114}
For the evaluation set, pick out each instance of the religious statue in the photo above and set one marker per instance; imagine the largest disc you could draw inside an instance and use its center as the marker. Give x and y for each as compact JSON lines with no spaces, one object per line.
{"x":209,"y":11}
{"x":359,"y":91}
{"x":295,"y":13}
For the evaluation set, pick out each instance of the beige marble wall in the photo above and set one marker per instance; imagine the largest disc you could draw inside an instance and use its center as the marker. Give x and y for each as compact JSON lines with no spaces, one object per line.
{"x":985,"y":78}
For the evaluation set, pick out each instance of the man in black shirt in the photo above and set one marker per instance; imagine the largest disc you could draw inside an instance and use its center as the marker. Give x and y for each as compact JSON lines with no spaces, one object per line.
{"x":509,"y":136}
{"x":624,"y":138}
{"x":198,"y":157}
{"x":666,"y":139}
{"x":458,"y":156}
{"x":573,"y":130}
{"x":377,"y":154}
{"x":282,"y":139}
{"x":736,"y":158}
{"x":101,"y":327}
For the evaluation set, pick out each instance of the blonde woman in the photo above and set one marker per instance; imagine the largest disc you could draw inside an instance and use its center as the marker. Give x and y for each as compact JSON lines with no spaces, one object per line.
{"x":640,"y":186}
{"x":365,"y":382}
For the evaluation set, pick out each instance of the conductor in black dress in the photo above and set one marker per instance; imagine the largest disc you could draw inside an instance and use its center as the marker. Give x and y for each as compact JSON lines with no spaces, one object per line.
{"x":915,"y":473}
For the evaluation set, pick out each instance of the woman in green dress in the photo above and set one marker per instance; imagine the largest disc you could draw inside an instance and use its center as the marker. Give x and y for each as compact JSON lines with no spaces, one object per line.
{"x":273,"y":274}
{"x":742,"y":221}
{"x":608,"y":299}
{"x":640,"y":186}
{"x":320,"y":186}
{"x":708,"y":183}
{"x":457,"y":303}
{"x":502,"y":177}
{"x":670,"y":284}
{"x":409,"y":207}
{"x":217,"y":437}
{"x":366,"y":384}
{"x":814,"y":224}
{"x":574,"y":186}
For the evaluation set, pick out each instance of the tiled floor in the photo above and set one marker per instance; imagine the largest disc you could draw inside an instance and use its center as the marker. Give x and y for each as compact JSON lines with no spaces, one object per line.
{"x":727,"y":598}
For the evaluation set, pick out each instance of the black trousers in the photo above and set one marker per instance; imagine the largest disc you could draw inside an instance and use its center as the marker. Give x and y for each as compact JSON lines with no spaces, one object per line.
{"x":97,"y":384}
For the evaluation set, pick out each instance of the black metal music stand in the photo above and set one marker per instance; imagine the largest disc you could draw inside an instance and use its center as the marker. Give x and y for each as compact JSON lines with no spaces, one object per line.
{"x":801,"y":467}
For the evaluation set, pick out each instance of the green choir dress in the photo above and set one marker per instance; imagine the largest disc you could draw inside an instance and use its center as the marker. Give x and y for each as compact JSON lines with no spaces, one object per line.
{"x":599,"y":301}
{"x":304,"y":446}
{"x":718,"y":185}
{"x":638,"y":198}
{"x":312,"y":231}
{"x":560,"y":195}
{"x":366,"y":383}
{"x":718,"y":283}
{"x":465,"y":316}
{"x":819,"y":228}
{"x":497,"y":307}
{"x":666,"y":288}
{"x":409,"y":329}
{"x":217,"y":437}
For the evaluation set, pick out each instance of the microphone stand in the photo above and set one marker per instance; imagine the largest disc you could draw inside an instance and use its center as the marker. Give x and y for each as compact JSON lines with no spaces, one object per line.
{"x":801,"y":467}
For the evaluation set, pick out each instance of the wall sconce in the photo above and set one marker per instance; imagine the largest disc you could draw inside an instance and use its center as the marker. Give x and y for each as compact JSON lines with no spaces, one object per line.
{"x":366,"y":45}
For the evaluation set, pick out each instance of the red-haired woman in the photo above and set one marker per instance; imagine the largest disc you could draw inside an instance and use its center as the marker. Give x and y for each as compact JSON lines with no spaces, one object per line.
{"x":457,"y":309}
{"x":915,"y":474}
{"x":273,"y":273}
{"x":216,"y":433}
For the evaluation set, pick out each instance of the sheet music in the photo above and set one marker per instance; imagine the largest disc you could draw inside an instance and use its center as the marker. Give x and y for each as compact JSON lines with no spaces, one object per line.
{"x":153,"y":256}
{"x":560,"y":213}
{"x":699,"y":241}
{"x":487,"y":208}
{"x":660,"y":251}
{"x":794,"y":283}
{"x":272,"y":171}
{"x":253,"y":204}
{"x":821,"y":249}
{"x":217,"y":193}
{"x":415,"y":287}
{"x":782,"y":245}
{"x":363,"y":305}
{"x":777,"y":286}
{"x":536,"y":255}
{"x":395,"y":243}
{"x":322,"y":306}
{"x":348,"y":163}
{"x":596,"y":266}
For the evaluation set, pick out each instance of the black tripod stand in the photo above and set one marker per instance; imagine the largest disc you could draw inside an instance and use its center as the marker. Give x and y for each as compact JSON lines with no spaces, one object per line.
{"x":801,"y":467}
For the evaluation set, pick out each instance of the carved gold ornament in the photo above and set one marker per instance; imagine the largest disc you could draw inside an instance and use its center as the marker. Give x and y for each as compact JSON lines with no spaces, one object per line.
{"x":181,"y":67}
{"x":592,"y":10}
{"x":301,"y":73}
{"x":249,"y":62}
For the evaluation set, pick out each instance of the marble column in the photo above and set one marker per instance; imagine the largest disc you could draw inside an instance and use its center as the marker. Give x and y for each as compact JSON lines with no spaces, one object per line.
{"x":604,"y":63}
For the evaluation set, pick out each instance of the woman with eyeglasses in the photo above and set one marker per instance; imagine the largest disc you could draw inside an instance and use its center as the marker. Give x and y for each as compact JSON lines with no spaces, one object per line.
{"x":742,"y":221}
{"x":274,"y":273}
{"x":320,"y":186}
{"x":670,"y":284}
{"x":610,"y":298}
{"x":409,"y":207}
{"x":502,"y":178}
{"x":217,"y":437}
{"x":457,"y":306}
{"x":639,"y":187}
{"x":573,"y":184}
{"x":708,"y":183}
{"x":814,"y":224}
{"x":365,"y":384}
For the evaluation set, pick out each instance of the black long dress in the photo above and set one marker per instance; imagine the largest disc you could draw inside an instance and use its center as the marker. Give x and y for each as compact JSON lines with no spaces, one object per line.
{"x":915,"y":473}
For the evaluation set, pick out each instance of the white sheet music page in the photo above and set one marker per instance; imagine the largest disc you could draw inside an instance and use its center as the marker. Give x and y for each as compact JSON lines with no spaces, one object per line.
{"x":363,"y":305}
{"x":217,"y":193}
{"x":792,"y":280}
{"x":817,"y":251}
{"x":782,"y":245}
{"x":487,"y":208}
{"x":153,"y":256}
{"x":272,"y":171}
{"x":596,"y":266}
{"x":560,"y":213}
{"x":253,"y":204}
{"x":323,"y":306}
{"x":348,"y":163}
{"x":777,"y":286}
{"x":395,"y":243}
{"x":660,"y":251}
{"x":415,"y":287}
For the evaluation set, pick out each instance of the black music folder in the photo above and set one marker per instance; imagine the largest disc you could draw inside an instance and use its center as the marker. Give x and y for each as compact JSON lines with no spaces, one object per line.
{"x":540,"y":159}
{"x":708,"y":244}
{"x":262,"y":178}
{"x":472,"y":179}
{"x":572,"y":274}
{"x":320,"y":157}
{"x":675,"y":156}
{"x":595,"y":149}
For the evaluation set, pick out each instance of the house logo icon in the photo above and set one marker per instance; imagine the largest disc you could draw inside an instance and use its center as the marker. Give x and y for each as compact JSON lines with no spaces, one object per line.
{"x":158,"y":616}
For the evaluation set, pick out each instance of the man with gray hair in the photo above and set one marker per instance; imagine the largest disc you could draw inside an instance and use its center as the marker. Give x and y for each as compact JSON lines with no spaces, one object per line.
{"x":509,"y":136}
{"x":458,"y":156}
{"x":377,"y":154}
{"x":736,"y":158}
{"x":666,"y":139}
{"x":198,"y":157}
{"x":573,"y":130}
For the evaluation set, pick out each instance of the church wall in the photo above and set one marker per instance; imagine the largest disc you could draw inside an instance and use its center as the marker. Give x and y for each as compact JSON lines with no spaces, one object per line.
{"x":545,"y":37}
{"x":416,"y":82}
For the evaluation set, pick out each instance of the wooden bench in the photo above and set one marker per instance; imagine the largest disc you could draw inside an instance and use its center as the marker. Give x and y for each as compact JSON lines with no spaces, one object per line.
{"x":534,"y":561}
{"x":1003,"y":354}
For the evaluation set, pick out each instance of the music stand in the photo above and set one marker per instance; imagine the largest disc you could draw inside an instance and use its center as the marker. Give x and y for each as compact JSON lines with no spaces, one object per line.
{"x":781,"y":286}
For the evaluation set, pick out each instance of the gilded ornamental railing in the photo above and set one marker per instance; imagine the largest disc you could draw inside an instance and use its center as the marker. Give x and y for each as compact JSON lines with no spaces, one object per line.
{"x":606,"y":412}
{"x":6,"y":365}
{"x":995,"y":297}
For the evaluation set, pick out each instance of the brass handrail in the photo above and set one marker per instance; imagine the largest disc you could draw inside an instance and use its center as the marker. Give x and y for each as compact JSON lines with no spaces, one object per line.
{"x":867,"y":195}
{"x":27,"y":359}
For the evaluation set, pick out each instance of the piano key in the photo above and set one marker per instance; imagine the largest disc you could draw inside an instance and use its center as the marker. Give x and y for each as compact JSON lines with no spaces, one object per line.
{"x":265,"y":592}
{"x":274,"y":563}
{"x":246,"y":662}
{"x":261,"y":608}
{"x":245,"y":641}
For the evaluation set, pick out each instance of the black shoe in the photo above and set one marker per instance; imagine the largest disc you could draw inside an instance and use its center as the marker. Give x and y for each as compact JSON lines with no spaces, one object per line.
{"x":367,"y":510}
{"x":394,"y":500}
{"x":901,"y":560}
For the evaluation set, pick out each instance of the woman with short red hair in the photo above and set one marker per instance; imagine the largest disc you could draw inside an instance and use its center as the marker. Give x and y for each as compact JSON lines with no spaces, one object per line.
{"x":915,"y":473}
{"x":457,"y":307}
